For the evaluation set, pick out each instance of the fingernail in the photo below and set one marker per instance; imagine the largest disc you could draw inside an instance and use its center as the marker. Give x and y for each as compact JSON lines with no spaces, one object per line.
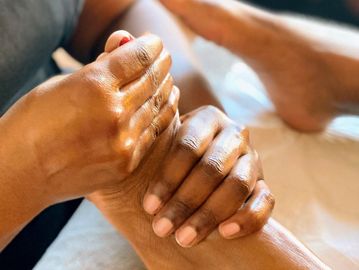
{"x":124,"y":40}
{"x":186,"y":236}
{"x":151,"y":203}
{"x":230,"y":229}
{"x":162,"y":227}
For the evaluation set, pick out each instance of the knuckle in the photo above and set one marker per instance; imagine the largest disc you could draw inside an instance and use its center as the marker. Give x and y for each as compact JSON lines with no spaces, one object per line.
{"x":155,"y":129}
{"x":190,"y":144}
{"x":270,"y":199}
{"x":157,"y":103}
{"x":244,"y":132}
{"x":153,"y":75}
{"x":213,"y":167}
{"x":207,"y":218}
{"x":182,"y":208}
{"x":238,"y":129}
{"x":214,"y":112}
{"x":165,"y":187}
{"x":254,"y":222}
{"x":142,"y":55}
{"x":126,"y":149}
{"x":212,"y":109}
{"x":93,"y":77}
{"x":173,"y":109}
{"x":242,"y":185}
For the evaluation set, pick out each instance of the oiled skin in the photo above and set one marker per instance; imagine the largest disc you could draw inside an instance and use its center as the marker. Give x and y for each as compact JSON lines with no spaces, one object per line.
{"x":73,"y":135}
{"x":270,"y":248}
{"x":83,"y":133}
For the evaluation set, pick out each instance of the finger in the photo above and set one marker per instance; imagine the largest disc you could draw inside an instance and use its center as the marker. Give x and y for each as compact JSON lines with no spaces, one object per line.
{"x":253,"y":216}
{"x":190,"y":144}
{"x":207,"y":174}
{"x":158,"y":125}
{"x":135,"y":94}
{"x":152,"y":107}
{"x":130,"y":62}
{"x":223,"y":203}
{"x":145,"y":115}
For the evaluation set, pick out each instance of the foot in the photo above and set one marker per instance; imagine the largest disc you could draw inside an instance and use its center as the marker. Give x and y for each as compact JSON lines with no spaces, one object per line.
{"x":298,"y":80}
{"x":270,"y":248}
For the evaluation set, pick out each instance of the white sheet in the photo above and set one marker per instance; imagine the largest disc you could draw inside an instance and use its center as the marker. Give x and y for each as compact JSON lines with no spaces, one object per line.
{"x":315,"y":179}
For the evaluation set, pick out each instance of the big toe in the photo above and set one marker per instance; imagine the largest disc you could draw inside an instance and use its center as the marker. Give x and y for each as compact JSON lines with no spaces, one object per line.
{"x":115,"y":40}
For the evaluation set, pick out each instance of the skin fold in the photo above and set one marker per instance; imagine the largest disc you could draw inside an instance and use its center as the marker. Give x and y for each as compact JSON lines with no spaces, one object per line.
{"x":310,"y":78}
{"x":270,"y":248}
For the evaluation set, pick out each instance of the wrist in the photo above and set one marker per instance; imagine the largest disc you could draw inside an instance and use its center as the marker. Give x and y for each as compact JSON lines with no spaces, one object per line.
{"x":22,"y":196}
{"x":19,"y":167}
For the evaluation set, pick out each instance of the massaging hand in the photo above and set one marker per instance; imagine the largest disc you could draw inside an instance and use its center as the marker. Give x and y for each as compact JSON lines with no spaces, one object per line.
{"x":210,"y":176}
{"x":92,"y":128}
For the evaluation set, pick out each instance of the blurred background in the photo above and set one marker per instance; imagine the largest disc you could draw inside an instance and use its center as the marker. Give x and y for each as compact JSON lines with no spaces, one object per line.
{"x":345,"y":11}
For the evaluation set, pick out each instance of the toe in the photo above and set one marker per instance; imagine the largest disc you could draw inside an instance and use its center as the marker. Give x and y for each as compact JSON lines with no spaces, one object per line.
{"x":117,"y":39}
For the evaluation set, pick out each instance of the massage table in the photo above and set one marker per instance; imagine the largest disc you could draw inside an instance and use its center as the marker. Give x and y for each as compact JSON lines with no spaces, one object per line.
{"x":315,"y":178}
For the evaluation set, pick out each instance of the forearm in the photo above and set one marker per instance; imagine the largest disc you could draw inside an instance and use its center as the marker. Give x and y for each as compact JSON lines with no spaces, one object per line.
{"x":21,"y":196}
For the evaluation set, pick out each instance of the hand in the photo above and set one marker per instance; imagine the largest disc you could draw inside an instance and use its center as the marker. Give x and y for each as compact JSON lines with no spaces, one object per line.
{"x":210,"y":176}
{"x":92,"y":128}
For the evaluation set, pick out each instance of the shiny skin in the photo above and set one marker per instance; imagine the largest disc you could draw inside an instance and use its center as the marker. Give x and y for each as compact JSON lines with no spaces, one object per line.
{"x":75,"y":134}
{"x":204,"y":179}
{"x":272,"y":247}
{"x":207,"y":176}
{"x":95,"y":122}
